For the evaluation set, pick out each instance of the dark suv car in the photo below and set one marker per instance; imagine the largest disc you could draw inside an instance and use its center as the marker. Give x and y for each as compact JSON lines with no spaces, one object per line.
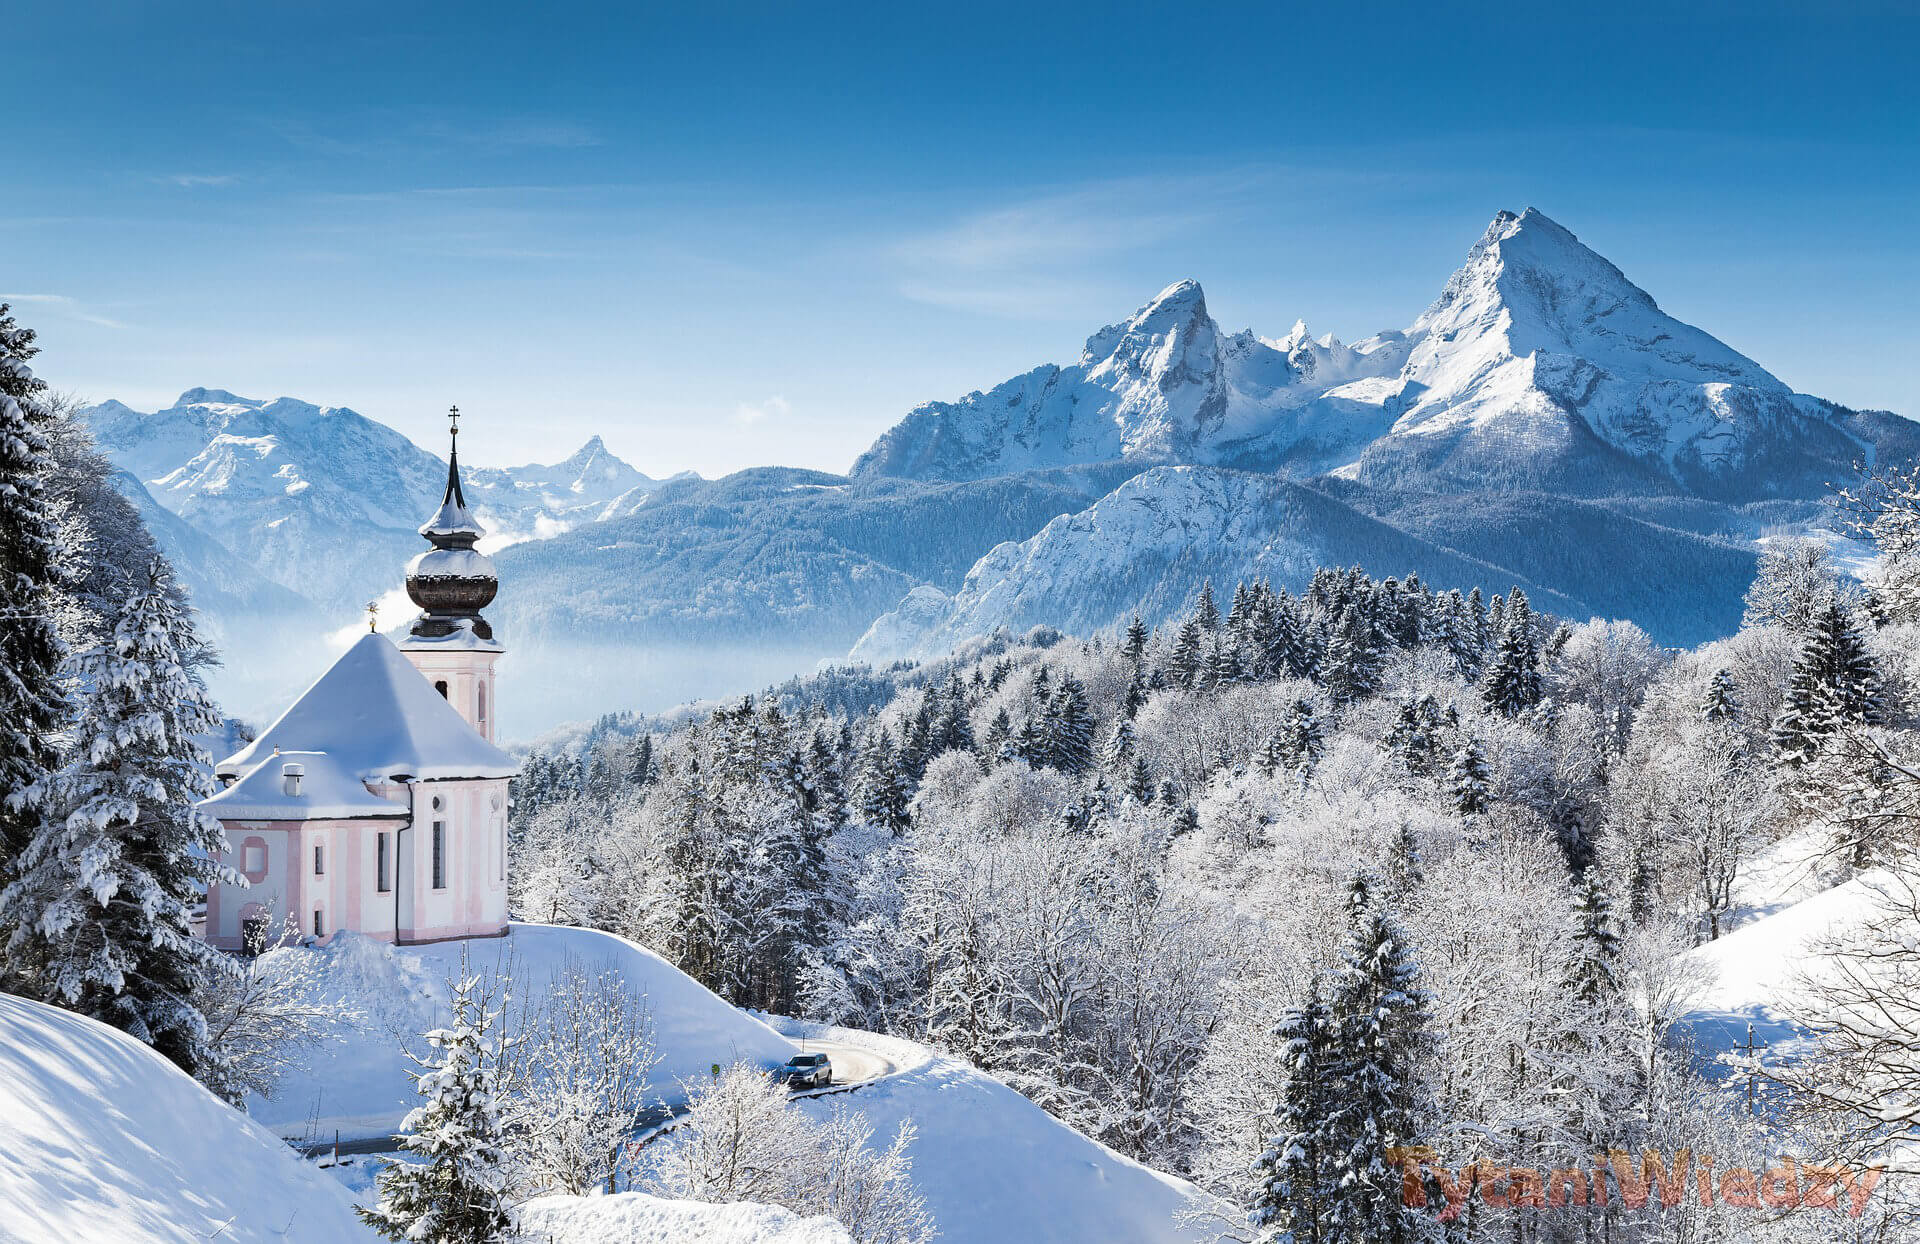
{"x":805,"y":1071}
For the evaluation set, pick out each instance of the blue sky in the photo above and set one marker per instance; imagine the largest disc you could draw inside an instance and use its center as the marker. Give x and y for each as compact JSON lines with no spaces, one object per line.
{"x":727,"y":235}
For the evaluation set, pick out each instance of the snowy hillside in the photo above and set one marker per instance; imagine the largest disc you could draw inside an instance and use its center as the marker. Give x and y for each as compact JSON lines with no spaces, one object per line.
{"x":358,"y":1084}
{"x":107,"y":1141}
{"x":636,"y":1218}
{"x":993,"y":1166}
{"x":1150,"y":543}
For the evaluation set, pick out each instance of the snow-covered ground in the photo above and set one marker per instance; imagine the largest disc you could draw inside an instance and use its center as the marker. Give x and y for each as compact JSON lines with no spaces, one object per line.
{"x":636,"y":1218}
{"x":358,"y":1083}
{"x":1754,"y":973}
{"x":103,"y":1139}
{"x":994,"y":1167}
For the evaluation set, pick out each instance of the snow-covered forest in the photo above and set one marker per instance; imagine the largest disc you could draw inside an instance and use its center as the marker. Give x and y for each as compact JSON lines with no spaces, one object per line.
{"x":1416,"y":868}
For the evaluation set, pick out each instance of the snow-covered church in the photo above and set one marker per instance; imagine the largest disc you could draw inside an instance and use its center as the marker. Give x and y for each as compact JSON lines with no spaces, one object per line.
{"x":378,"y":802}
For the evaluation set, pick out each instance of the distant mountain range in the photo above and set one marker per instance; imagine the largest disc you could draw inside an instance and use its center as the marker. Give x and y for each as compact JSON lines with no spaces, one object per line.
{"x":1543,"y":422}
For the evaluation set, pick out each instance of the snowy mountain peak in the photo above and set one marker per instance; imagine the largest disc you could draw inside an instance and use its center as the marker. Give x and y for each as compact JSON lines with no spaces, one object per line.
{"x":1530,"y":285}
{"x":1540,"y":365}
{"x":1179,"y":308}
{"x":325,"y":501}
{"x":212,"y":397}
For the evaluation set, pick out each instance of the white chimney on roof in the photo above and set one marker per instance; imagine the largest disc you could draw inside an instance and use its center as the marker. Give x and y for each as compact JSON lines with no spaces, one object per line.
{"x":290,"y":775}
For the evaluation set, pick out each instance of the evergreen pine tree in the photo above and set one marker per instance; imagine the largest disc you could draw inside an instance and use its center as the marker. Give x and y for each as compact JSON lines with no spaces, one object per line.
{"x":1030,"y":745}
{"x":1381,"y":1045}
{"x":1223,"y":664}
{"x":1513,"y":682}
{"x":1140,"y":781}
{"x":1469,"y":781}
{"x":885,"y":791}
{"x":32,"y":703}
{"x":98,"y":912}
{"x":1136,"y":698}
{"x":1720,"y":703}
{"x":953,"y":731}
{"x":1116,"y":754}
{"x":1835,"y":683}
{"x":1404,"y":874}
{"x":1188,"y":660}
{"x":999,"y":733}
{"x":1295,"y":1173}
{"x":458,"y":1195}
{"x":1269,"y":758}
{"x":1413,"y":739}
{"x":1205,"y":612}
{"x":1595,"y":975}
{"x":640,"y":761}
{"x":1351,"y":668}
{"x":1070,"y":729}
{"x":1286,"y":643}
{"x":1304,"y":740}
{"x":1136,"y":645}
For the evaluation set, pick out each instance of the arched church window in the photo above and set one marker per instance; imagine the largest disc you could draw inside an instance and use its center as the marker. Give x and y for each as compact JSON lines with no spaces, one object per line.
{"x":441,"y":687}
{"x":483,"y":704}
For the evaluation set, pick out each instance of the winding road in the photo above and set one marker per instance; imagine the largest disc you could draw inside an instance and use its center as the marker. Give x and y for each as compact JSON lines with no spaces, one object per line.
{"x":852,"y":1066}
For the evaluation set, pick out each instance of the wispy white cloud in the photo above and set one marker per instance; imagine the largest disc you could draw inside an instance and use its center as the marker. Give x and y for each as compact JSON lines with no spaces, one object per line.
{"x":747,"y":414}
{"x":1031,"y":256}
{"x":192,"y":181}
{"x":65,"y":307}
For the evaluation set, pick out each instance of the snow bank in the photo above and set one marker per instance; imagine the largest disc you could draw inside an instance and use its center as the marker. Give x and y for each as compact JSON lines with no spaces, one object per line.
{"x":1758,"y":968}
{"x":103,"y":1139}
{"x":994,"y":1167}
{"x":358,"y":1084}
{"x":636,"y":1218}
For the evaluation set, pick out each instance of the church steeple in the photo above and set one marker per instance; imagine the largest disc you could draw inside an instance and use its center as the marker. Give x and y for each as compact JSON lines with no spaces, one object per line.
{"x":452,"y":582}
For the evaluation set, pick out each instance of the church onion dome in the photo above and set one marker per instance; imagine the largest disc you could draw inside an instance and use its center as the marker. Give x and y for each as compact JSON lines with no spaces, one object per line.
{"x":453,"y":522}
{"x":452,"y":581}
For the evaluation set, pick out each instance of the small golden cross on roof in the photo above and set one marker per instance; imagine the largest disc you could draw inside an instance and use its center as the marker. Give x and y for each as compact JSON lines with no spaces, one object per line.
{"x":455,"y":412}
{"x":373,"y":615}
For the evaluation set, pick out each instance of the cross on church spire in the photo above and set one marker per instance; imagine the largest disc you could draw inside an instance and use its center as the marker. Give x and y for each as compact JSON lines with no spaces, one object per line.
{"x":454,"y":496}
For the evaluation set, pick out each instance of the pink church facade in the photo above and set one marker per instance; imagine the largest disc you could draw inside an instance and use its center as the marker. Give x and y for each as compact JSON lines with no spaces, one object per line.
{"x":378,"y":801}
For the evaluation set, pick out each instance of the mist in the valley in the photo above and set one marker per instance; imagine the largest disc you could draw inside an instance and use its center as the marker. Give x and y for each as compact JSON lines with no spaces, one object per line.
{"x":264,"y":666}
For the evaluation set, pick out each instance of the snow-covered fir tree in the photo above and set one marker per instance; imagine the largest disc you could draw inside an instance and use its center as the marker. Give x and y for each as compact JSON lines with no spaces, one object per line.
{"x":98,"y":911}
{"x":1378,"y":1095}
{"x":1468,"y":778}
{"x":1295,"y":1175}
{"x":1836,"y":682}
{"x":32,"y":702}
{"x":458,"y":1193}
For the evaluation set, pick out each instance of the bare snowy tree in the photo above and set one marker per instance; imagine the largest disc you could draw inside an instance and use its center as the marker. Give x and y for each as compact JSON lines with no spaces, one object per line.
{"x":581,"y":1062}
{"x":266,"y":1020}
{"x":1795,"y":577}
{"x":744,"y":1140}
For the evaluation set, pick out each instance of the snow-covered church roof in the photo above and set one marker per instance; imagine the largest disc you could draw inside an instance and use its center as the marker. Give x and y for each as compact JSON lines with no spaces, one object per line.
{"x":375,"y":715}
{"x":323,"y":792}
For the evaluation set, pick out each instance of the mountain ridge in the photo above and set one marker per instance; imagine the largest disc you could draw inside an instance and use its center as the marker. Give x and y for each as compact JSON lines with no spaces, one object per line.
{"x":1542,"y":422}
